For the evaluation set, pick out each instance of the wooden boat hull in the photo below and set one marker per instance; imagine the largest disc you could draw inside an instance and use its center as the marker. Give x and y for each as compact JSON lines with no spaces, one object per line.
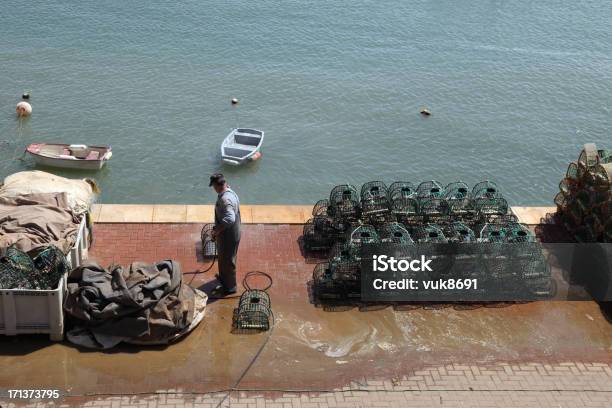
{"x":44,"y":158}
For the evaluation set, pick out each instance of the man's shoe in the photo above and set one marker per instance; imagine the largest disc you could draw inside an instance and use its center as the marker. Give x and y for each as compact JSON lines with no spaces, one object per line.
{"x":220,"y":292}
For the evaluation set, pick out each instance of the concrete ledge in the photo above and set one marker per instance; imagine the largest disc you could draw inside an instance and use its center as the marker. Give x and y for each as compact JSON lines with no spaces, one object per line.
{"x":251,"y":214}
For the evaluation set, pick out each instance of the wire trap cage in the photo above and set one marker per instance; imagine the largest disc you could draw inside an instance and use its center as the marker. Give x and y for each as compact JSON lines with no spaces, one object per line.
{"x":343,"y":252}
{"x":429,"y":189}
{"x":428,"y":233}
{"x":395,"y":233}
{"x":254,"y":311}
{"x":209,"y":246}
{"x":18,"y":270}
{"x":458,"y":232}
{"x":490,"y":205}
{"x":486,"y":189}
{"x":456,"y":190}
{"x":363,"y":234}
{"x":327,"y":285}
{"x":493,"y":233}
{"x":344,"y":203}
{"x":319,"y":234}
{"x":375,"y":208}
{"x":320,"y":208}
{"x":434,"y":210}
{"x":400,"y":189}
{"x":516,"y":232}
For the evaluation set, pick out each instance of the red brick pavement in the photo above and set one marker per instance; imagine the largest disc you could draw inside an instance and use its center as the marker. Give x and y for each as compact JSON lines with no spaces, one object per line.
{"x":270,"y":248}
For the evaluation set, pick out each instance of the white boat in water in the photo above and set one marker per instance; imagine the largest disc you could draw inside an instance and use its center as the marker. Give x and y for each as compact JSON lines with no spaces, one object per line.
{"x":242,"y":145}
{"x":75,"y":156}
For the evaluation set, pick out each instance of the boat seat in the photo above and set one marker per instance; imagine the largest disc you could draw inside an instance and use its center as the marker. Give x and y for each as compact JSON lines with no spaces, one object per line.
{"x":235,"y":152}
{"x":93,"y":155}
{"x":248,"y":140}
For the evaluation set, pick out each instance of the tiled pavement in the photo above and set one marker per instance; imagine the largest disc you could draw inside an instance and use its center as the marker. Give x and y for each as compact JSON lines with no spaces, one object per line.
{"x":566,"y":362}
{"x":501,"y":385}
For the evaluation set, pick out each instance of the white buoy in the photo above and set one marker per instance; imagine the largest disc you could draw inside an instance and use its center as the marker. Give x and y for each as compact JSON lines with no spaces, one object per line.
{"x":23,"y":109}
{"x":234,"y":101}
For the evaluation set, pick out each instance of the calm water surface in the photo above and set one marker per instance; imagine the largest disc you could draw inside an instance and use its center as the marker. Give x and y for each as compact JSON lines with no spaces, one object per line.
{"x":515,"y":88}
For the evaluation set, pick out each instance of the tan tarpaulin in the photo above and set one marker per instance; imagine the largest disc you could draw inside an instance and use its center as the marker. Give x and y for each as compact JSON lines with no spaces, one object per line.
{"x":80,"y":193}
{"x":37,"y":220}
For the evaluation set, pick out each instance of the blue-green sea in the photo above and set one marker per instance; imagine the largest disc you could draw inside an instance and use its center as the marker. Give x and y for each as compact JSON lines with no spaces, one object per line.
{"x":515,"y":88}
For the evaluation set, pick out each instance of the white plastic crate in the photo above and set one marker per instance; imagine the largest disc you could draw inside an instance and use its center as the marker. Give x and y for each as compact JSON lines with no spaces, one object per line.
{"x":41,"y":311}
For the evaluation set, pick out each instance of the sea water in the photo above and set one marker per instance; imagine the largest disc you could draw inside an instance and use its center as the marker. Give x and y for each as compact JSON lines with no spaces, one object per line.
{"x":515,"y":88}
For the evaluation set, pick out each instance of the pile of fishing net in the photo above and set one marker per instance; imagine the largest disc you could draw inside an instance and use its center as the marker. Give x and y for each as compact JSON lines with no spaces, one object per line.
{"x":144,"y":304}
{"x":40,"y":270}
{"x":584,"y":202}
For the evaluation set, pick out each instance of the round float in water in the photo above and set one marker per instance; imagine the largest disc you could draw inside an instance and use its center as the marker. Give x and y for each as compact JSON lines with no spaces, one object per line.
{"x":425,"y":112}
{"x":234,"y":101}
{"x":23,"y":109}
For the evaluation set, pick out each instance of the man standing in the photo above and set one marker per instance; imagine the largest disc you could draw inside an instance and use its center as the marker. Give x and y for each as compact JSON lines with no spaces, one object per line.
{"x":226,"y":233}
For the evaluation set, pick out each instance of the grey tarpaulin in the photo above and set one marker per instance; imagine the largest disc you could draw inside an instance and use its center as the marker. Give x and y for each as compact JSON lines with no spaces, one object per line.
{"x":141,"y":304}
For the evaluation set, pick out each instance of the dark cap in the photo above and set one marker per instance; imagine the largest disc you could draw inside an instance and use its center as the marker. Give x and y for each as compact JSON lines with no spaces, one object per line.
{"x":217,"y":178}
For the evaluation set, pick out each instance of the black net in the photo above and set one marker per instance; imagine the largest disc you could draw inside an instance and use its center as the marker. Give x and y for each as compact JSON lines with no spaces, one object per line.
{"x":428,"y":233}
{"x":363,"y":234}
{"x":254,"y":311}
{"x":406,"y":210}
{"x":458,"y":232}
{"x":319,"y":234}
{"x":485,"y":189}
{"x":344,"y":203}
{"x":589,"y":156}
{"x":401,"y":189}
{"x":394,"y":232}
{"x":209,"y":246}
{"x":320,"y":208}
{"x":456,"y":190}
{"x":434,"y":209}
{"x":374,"y":202}
{"x":462,"y":209}
{"x":516,"y":232}
{"x":430,"y":189}
{"x":43,"y":272}
{"x":493,"y":233}
{"x":572,"y":172}
{"x":490,"y":205}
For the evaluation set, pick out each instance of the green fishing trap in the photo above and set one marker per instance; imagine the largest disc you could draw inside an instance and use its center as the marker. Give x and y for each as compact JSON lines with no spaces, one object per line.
{"x":429,"y":189}
{"x":485,"y":189}
{"x":344,"y":203}
{"x":427,"y":233}
{"x":458,"y":232}
{"x":456,"y":190}
{"x":395,"y":233}
{"x":319,"y":234}
{"x":400,"y":189}
{"x":254,"y":311}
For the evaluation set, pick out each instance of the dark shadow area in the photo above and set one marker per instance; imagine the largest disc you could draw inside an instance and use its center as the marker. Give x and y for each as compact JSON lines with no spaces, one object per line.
{"x":23,"y":344}
{"x":312,"y":257}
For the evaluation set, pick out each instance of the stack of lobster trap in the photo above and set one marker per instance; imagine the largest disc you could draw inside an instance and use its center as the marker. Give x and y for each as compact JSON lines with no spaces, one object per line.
{"x":584,"y":202}
{"x":401,"y":213}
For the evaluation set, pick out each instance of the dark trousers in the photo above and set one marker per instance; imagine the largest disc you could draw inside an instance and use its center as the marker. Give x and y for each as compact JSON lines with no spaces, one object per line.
{"x":227,"y":251}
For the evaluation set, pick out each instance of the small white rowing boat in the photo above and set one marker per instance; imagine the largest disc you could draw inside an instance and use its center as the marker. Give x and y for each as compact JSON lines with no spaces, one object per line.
{"x":75,"y":156}
{"x":242,"y":145}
